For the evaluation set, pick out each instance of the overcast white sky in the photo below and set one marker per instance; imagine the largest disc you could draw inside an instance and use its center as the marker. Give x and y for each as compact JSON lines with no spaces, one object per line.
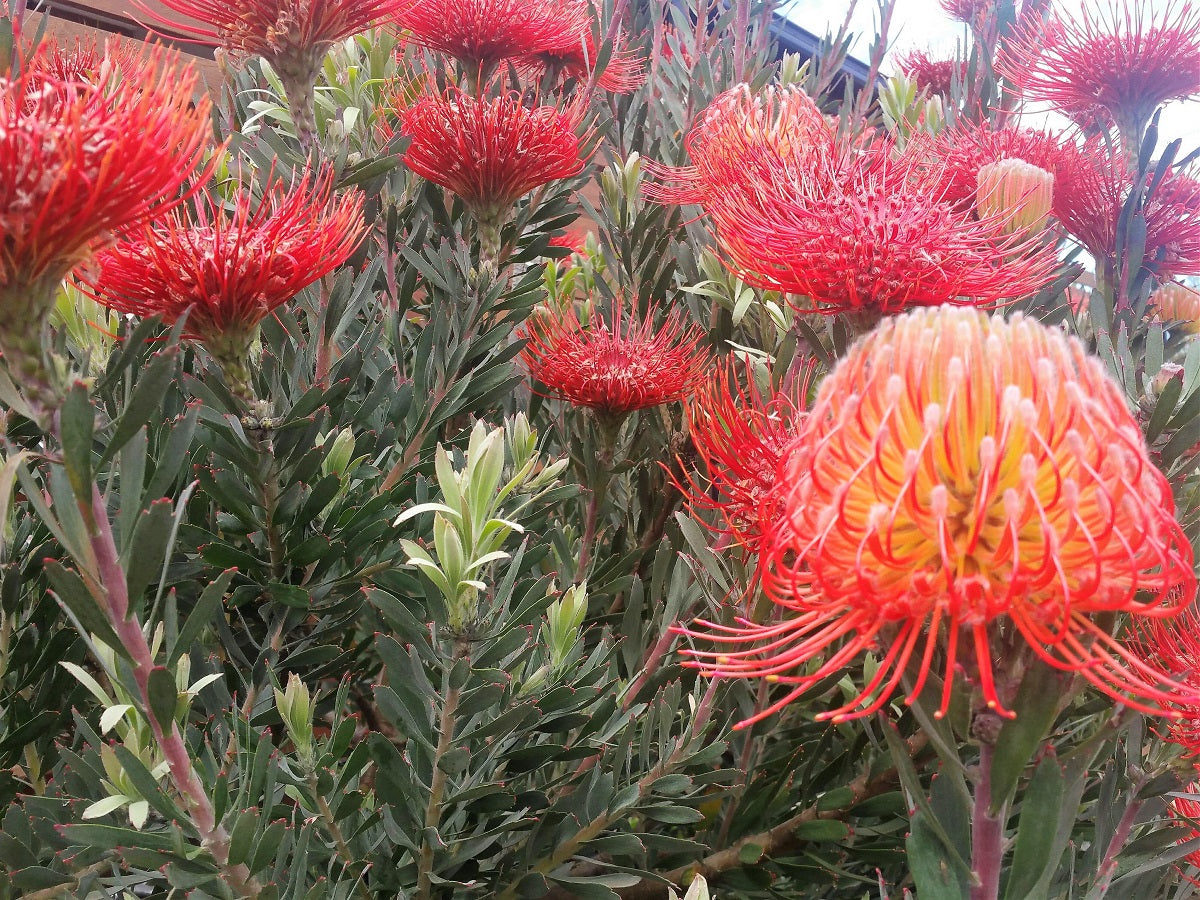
{"x":921,"y":24}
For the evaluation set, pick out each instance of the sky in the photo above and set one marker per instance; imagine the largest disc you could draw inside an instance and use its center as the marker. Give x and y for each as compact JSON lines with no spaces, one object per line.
{"x":921,"y":24}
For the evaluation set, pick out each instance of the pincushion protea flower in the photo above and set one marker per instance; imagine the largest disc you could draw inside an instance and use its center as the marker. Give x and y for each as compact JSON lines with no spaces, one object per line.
{"x":1093,"y":187}
{"x":1121,"y":57}
{"x":743,"y":141}
{"x":1189,"y":807}
{"x":492,"y":152}
{"x":957,"y":155}
{"x":931,"y":74}
{"x":964,"y":483}
{"x":852,"y":226}
{"x":740,"y":435}
{"x":78,"y":162}
{"x":623,"y":73}
{"x":233,"y":262}
{"x":1019,"y":192}
{"x":292,"y":35}
{"x":1174,"y":646}
{"x":618,"y":367}
{"x":482,"y":33}
{"x":1175,"y":302}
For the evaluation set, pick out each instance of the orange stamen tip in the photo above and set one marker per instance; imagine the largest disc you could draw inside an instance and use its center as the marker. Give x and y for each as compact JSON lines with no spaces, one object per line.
{"x":773,"y":678}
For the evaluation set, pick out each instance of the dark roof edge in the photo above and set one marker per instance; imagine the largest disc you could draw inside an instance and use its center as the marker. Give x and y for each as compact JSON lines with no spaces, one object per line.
{"x":794,"y":39}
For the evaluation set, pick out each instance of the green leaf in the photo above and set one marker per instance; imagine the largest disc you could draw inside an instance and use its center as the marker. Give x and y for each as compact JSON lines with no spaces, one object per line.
{"x":147,"y":549}
{"x":144,"y":402}
{"x":77,"y":426}
{"x":935,"y":876}
{"x":206,"y":610}
{"x":822,"y":830}
{"x":1034,"y":856}
{"x":1037,"y":707}
{"x":241,"y":836}
{"x":109,"y":837}
{"x":1163,"y":408}
{"x":163,"y":696}
{"x":749,"y":854}
{"x":73,"y":595}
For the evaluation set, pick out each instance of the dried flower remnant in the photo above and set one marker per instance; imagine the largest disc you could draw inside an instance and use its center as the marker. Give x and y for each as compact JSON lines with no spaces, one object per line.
{"x":292,"y":35}
{"x":1018,"y":193}
{"x":79,"y":162}
{"x":1125,"y":58}
{"x":482,"y":33}
{"x":227,"y":269}
{"x":492,"y":152}
{"x":961,"y":483}
{"x":618,"y":367}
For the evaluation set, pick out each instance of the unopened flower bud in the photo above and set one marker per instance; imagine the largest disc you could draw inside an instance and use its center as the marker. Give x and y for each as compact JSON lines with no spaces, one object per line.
{"x":1018,"y":192}
{"x":564,"y":618}
{"x":296,"y":709}
{"x":337,"y":460}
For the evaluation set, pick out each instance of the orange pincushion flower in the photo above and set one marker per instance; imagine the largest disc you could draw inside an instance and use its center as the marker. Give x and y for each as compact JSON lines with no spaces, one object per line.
{"x":482,"y":33}
{"x":615,"y":368}
{"x":1176,"y":302}
{"x":1123,"y":58}
{"x":741,"y":143}
{"x":961,"y":479}
{"x":491,"y":152}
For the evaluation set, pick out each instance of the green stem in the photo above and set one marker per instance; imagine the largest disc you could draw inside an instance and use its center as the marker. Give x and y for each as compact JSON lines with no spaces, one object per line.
{"x":339,"y":841}
{"x":437,"y":785}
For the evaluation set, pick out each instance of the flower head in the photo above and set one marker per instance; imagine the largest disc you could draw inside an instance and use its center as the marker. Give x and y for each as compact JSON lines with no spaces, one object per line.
{"x":1094,"y":187}
{"x":618,"y":367}
{"x":961,"y":483}
{"x":957,"y":155}
{"x":482,"y":33}
{"x":1173,"y":645}
{"x":933,"y":74}
{"x":491,"y":152}
{"x":1188,"y":807}
{"x":231,"y":263}
{"x":1120,"y":57}
{"x":853,"y":226}
{"x":741,"y":435}
{"x":1176,"y":302}
{"x":1017,"y":191}
{"x":81,"y":161}
{"x":283,"y":32}
{"x":622,"y":74}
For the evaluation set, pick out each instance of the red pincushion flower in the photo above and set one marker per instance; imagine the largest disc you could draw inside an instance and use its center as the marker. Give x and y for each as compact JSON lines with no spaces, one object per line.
{"x":741,"y":435}
{"x":961,"y":483}
{"x":1122,"y":57}
{"x":491,"y":152}
{"x":81,"y":161}
{"x":1174,"y":646}
{"x":228,"y":269}
{"x":615,"y":368}
{"x":958,"y":154}
{"x":743,"y":141}
{"x":852,"y":226}
{"x":283,"y":32}
{"x":878,"y":242}
{"x":1093,"y":188}
{"x":1190,"y":807}
{"x":931,"y":74}
{"x":623,"y":73}
{"x":482,"y":33}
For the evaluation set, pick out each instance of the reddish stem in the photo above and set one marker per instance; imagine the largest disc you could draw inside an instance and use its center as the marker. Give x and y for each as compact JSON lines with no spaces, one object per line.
{"x":987,"y":833}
